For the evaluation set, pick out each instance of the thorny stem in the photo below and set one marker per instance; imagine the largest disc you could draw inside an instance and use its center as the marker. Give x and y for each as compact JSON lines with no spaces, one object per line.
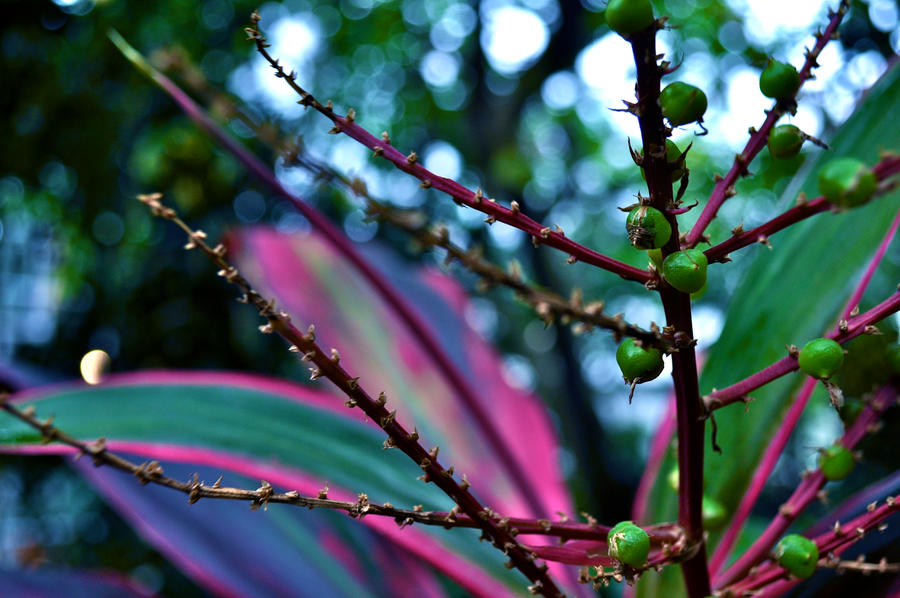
{"x":791,"y":419}
{"x":725,"y":186}
{"x":770,"y":577}
{"x":888,"y":166}
{"x":806,"y":493}
{"x":407,"y":314}
{"x":851,"y":328}
{"x":328,"y":365}
{"x":548,"y":304}
{"x":677,"y":307}
{"x":152,"y":472}
{"x":539,"y":233}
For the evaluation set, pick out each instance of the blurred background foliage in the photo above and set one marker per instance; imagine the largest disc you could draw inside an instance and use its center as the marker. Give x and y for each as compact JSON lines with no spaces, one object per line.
{"x":513,"y":96}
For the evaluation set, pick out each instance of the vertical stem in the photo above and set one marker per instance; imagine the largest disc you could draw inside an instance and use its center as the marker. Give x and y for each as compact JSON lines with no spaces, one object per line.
{"x":677,"y":307}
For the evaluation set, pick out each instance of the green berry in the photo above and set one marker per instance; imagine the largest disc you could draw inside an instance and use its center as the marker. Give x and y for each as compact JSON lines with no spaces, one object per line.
{"x":682,"y":103}
{"x":638,"y":364}
{"x":629,"y":16}
{"x":785,"y":141}
{"x":836,"y":462}
{"x":821,"y":358}
{"x":779,"y":80}
{"x":847,"y":182}
{"x":629,"y":544}
{"x":686,"y":270}
{"x":647,"y":228}
{"x":797,"y":554}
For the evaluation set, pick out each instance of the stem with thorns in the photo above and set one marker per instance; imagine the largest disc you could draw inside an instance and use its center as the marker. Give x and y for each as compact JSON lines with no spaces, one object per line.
{"x":327,"y":365}
{"x":725,"y":186}
{"x":677,"y":307}
{"x":512,"y":216}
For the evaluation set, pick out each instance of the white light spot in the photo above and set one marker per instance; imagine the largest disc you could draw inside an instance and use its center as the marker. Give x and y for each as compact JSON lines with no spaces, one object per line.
{"x":442,"y":159}
{"x":513,"y":37}
{"x":439,"y":69}
{"x":94,"y":366}
{"x":560,"y":90}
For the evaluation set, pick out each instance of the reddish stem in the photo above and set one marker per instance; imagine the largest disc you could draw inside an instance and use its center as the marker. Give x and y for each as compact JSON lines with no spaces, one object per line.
{"x":773,"y":451}
{"x":725,"y":187}
{"x":658,"y":450}
{"x":888,"y":166}
{"x":855,"y":326}
{"x":408,"y":315}
{"x":677,"y":306}
{"x":805,"y":494}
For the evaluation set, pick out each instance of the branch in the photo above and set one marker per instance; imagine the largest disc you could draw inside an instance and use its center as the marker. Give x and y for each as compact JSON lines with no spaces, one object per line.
{"x":419,"y":329}
{"x":888,"y":166}
{"x":771,"y":577}
{"x":382,"y":148}
{"x":327,"y":365}
{"x":805,"y":494}
{"x":725,"y":186}
{"x":677,"y":306}
{"x":547,"y":304}
{"x":848,"y":329}
{"x":791,"y":419}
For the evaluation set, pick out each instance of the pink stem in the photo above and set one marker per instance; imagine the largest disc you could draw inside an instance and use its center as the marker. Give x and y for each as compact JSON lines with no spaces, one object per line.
{"x":855,"y":326}
{"x":407,"y":314}
{"x":719,"y":253}
{"x":725,"y":187}
{"x":805,"y":494}
{"x":773,"y":451}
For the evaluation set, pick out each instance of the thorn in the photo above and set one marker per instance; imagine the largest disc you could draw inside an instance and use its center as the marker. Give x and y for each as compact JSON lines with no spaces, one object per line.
{"x":412,"y":158}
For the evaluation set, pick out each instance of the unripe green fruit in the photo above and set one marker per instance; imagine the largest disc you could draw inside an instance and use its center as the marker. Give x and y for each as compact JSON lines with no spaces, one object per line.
{"x":629,"y":544}
{"x":797,"y":554}
{"x":821,"y":358}
{"x":647,"y":228}
{"x":847,"y":182}
{"x":785,"y":141}
{"x":682,"y":103}
{"x":836,"y":462}
{"x":779,"y":80}
{"x":686,"y":270}
{"x":629,"y":16}
{"x":638,"y":364}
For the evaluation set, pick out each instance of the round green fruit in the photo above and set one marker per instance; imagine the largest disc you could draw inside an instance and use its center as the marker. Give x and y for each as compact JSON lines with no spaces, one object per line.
{"x":686,"y":270}
{"x":836,"y":462}
{"x":779,"y":80}
{"x":850,"y":411}
{"x":647,"y":228}
{"x":638,"y":364}
{"x":785,"y":141}
{"x":682,"y":103}
{"x":797,"y":554}
{"x":629,"y":544}
{"x":847,"y":182}
{"x":629,"y":16}
{"x":821,"y":358}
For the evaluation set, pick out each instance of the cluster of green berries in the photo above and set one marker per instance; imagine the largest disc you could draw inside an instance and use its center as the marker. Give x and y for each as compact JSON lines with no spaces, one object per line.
{"x":798,"y":555}
{"x":629,"y":544}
